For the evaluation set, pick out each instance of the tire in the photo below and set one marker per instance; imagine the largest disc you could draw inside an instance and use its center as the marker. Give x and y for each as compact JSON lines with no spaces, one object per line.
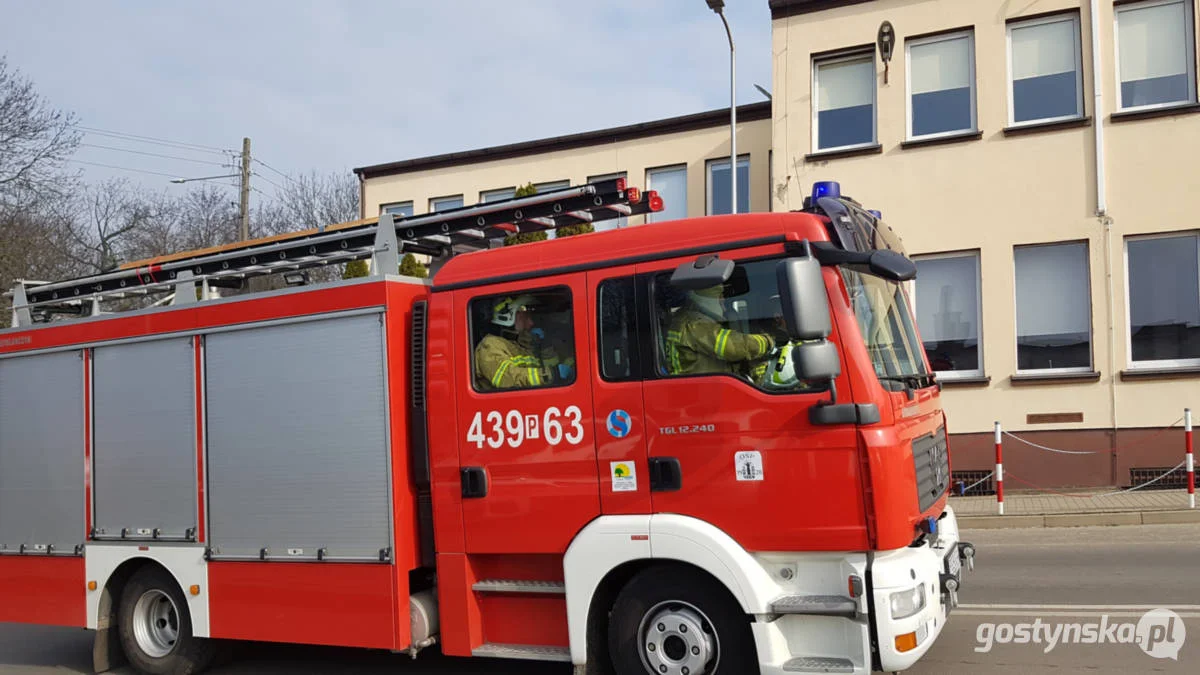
{"x":679,"y":617}
{"x":156,"y":627}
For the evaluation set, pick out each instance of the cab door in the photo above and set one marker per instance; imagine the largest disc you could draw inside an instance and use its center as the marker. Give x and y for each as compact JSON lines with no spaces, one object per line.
{"x":737,"y":454}
{"x":620,"y":420}
{"x":527,"y":455}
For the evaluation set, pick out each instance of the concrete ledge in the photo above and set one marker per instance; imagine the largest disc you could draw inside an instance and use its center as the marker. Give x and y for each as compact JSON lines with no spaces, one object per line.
{"x":1170,"y":517}
{"x":1079,"y":520}
{"x":1093,"y":519}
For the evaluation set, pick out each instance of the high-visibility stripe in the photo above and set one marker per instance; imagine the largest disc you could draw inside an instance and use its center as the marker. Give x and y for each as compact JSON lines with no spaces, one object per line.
{"x":535,"y":378}
{"x":762,"y":343}
{"x":721,"y":342}
{"x":500,"y":373}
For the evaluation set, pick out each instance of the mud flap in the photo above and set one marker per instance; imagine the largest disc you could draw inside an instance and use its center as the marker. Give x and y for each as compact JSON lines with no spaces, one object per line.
{"x":106,"y":649}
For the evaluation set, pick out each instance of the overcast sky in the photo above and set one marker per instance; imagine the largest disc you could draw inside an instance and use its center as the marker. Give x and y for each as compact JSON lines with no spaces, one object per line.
{"x":335,"y":85}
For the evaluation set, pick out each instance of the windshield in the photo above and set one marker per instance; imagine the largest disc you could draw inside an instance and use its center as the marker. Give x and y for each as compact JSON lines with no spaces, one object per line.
{"x":885,"y":321}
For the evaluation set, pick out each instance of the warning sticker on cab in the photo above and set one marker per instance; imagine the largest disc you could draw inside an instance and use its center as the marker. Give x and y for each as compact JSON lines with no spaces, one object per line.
{"x":624,"y":476}
{"x":749,"y":465}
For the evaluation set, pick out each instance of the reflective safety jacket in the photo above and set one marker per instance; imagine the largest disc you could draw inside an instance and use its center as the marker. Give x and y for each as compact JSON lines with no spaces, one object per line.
{"x":698,"y":344}
{"x":505,"y":364}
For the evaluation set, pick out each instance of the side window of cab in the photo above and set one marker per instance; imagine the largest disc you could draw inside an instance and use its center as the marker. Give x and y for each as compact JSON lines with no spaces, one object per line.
{"x":733,"y":329}
{"x":522,"y":340}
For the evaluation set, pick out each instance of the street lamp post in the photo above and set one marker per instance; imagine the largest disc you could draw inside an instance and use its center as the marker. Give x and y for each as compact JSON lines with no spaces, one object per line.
{"x":718,"y":6}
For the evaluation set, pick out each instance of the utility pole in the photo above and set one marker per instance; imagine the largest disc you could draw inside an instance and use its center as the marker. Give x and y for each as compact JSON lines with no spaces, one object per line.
{"x":245,"y":201}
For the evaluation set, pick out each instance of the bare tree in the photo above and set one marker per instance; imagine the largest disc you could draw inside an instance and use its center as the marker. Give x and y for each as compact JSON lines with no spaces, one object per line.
{"x":35,"y":142}
{"x":313,"y":200}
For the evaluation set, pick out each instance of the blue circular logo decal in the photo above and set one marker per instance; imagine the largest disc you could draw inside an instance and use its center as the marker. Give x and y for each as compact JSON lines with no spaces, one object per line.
{"x":619,"y":423}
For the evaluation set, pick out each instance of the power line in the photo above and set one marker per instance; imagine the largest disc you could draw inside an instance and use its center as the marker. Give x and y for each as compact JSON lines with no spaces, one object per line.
{"x":285,"y":176}
{"x":155,"y":141}
{"x":124,"y":168}
{"x":269,"y":180}
{"x":153,"y":154}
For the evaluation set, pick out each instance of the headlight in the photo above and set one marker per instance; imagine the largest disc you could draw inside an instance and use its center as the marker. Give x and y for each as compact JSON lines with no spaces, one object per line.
{"x":907,"y":602}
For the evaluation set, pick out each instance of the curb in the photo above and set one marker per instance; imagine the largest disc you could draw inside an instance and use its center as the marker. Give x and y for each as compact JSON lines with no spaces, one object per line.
{"x":1079,"y":520}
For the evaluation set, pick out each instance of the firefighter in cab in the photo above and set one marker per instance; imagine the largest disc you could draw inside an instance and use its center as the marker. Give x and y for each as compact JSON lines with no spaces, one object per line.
{"x":515,"y":353}
{"x":699,"y":343}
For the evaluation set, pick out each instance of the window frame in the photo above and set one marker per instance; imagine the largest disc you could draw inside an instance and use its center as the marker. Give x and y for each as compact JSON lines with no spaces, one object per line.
{"x":383,"y":208}
{"x":472,"y":344}
{"x":1157,"y":364}
{"x":969,"y":35}
{"x":856,"y":54}
{"x":1189,"y":42}
{"x":433,"y":201}
{"x":484,"y":193}
{"x":708,"y":192}
{"x":561,"y":184}
{"x":653,"y":217}
{"x":1072,"y":370}
{"x":1076,"y":35}
{"x":976,"y":254}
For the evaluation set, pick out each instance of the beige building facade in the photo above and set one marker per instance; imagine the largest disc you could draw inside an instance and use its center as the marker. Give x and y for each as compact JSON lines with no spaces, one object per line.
{"x":1039,"y":164}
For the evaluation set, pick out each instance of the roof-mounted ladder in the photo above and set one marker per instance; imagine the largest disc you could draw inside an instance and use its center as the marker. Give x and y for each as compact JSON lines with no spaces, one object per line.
{"x":383,"y":240}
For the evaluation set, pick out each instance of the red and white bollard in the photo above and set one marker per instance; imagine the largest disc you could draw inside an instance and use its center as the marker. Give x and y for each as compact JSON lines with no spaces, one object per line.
{"x":1191,"y":466}
{"x":1000,"y":471}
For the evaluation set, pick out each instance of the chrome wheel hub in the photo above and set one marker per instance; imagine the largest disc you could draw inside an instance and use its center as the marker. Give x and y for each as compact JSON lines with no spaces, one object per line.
{"x":676,"y":638}
{"x":156,"y":623}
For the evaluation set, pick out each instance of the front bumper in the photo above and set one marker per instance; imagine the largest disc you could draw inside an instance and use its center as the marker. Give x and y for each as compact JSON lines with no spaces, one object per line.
{"x":938,"y":565}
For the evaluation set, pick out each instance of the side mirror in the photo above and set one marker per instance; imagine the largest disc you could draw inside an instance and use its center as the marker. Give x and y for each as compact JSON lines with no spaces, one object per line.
{"x":802,"y":294}
{"x":891,"y":265}
{"x":705,"y":272}
{"x":816,"y":361}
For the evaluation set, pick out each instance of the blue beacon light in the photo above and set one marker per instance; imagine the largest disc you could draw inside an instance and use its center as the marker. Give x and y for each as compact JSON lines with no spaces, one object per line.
{"x":826,"y":189}
{"x":878,"y":214}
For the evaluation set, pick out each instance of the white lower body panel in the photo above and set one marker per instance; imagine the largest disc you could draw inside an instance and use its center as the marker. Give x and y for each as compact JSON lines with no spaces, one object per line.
{"x":185,"y":562}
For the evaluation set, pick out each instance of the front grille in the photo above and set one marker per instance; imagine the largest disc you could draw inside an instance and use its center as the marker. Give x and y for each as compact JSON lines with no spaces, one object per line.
{"x":932,"y":462}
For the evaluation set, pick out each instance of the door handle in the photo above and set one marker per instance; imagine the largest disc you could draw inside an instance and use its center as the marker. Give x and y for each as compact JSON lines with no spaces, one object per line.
{"x":474,"y":482}
{"x":665,"y":474}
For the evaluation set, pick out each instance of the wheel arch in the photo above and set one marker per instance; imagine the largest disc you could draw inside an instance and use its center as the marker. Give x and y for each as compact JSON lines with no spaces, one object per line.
{"x":111,"y":567}
{"x":607,"y":552}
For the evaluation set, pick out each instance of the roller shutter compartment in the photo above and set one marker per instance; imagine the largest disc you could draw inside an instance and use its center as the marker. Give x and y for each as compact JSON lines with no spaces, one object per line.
{"x":144,"y":479}
{"x":42,"y":453}
{"x":297,"y":441}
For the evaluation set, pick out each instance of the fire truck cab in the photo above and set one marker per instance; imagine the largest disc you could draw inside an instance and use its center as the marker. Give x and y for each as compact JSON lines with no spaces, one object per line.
{"x":706,"y":446}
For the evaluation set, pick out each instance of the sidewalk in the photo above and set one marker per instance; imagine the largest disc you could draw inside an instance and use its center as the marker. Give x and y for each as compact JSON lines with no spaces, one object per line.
{"x":1076,"y":508}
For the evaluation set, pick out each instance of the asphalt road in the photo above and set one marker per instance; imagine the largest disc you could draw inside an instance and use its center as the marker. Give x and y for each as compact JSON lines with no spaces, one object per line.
{"x":1053,"y":575}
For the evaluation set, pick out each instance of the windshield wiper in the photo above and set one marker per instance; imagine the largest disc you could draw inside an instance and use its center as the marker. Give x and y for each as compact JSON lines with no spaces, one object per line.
{"x":909,"y":381}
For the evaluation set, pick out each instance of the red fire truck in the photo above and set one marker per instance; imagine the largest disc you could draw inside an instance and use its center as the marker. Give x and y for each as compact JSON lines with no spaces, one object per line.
{"x":338,"y":463}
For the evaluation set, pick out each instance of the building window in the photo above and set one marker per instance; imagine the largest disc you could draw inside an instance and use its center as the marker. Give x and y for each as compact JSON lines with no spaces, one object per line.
{"x":445,"y":203}
{"x":671,"y":184}
{"x":401,"y":209}
{"x":1164,"y":300}
{"x":1053,"y":308}
{"x":551,"y":185}
{"x":844,"y":109}
{"x":941,"y":85}
{"x":949,"y":314}
{"x":718,"y":186}
{"x":1155,"y":60}
{"x":611,"y":223}
{"x":1045,"y":70}
{"x":497,"y":195}
{"x":523,"y":340}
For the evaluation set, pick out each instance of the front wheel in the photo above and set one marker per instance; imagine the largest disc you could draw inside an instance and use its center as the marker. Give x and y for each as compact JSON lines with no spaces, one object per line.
{"x":671,"y":620}
{"x":156,"y":628}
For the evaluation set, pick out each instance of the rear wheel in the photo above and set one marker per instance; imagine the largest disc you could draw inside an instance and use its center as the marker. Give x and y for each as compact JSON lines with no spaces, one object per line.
{"x":671,"y":620}
{"x":156,"y":628}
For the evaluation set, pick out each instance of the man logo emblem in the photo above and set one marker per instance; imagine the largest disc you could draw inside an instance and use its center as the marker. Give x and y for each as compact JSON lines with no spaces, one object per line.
{"x":619,"y":423}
